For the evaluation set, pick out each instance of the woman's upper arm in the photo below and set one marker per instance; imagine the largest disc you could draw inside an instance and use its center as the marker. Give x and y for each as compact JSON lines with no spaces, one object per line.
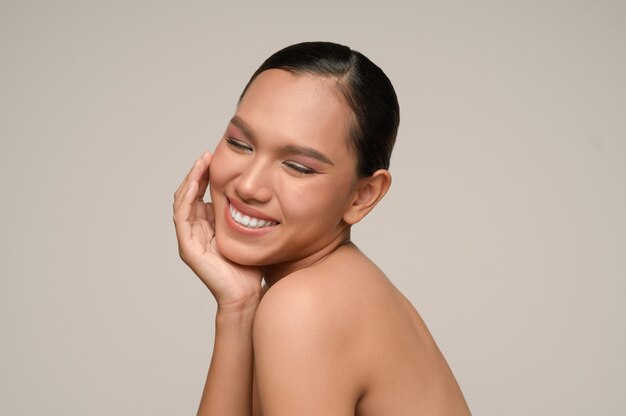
{"x":302,"y":354}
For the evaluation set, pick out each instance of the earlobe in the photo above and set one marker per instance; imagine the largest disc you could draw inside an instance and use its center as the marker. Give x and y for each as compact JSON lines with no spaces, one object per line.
{"x":370,"y":190}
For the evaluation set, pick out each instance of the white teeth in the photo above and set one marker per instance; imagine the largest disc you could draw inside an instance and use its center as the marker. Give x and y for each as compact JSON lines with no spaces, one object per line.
{"x":247,"y":221}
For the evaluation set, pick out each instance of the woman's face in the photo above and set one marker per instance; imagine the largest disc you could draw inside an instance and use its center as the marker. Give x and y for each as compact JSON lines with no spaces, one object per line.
{"x":283,"y":175}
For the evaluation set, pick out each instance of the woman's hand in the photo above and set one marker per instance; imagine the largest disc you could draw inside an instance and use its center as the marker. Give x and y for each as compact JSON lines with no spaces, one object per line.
{"x":231,"y":284}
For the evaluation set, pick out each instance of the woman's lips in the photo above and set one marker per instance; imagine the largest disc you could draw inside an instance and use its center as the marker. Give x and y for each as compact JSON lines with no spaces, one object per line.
{"x":249,"y":221}
{"x":248,"y":218}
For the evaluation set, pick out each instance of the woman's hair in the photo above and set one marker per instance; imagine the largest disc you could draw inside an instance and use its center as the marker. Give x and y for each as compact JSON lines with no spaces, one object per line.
{"x":365,"y":87}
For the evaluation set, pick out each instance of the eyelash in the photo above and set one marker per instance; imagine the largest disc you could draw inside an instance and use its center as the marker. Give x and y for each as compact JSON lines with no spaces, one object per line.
{"x":295,"y":166}
{"x":238,"y":144}
{"x":301,"y":169}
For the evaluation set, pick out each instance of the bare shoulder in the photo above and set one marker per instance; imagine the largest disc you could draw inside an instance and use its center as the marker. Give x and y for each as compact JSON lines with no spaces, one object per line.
{"x":313,"y":299}
{"x":342,"y":330}
{"x":305,"y":344}
{"x":330,"y":295}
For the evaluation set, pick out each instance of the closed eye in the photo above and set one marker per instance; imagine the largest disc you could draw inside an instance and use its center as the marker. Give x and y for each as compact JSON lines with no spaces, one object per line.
{"x":299,"y":168}
{"x":239,"y":145}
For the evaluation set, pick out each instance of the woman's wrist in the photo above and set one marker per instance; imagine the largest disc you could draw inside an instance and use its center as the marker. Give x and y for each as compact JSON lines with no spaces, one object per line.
{"x":242,"y":311}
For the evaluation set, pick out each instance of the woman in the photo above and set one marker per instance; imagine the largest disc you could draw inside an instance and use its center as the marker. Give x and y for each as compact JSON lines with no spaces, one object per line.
{"x":303,"y":159}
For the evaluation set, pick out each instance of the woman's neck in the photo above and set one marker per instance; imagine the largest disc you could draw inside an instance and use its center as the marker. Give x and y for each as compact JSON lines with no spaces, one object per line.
{"x":275,"y":272}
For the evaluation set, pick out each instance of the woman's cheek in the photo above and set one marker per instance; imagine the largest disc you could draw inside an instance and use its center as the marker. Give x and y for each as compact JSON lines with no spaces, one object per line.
{"x":217,"y":168}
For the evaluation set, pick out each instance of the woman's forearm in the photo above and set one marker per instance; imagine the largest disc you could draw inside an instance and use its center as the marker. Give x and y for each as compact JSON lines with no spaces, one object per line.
{"x":228,"y":388}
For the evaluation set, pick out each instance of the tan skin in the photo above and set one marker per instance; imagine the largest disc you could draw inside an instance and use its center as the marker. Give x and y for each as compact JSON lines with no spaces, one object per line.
{"x":328,"y":334}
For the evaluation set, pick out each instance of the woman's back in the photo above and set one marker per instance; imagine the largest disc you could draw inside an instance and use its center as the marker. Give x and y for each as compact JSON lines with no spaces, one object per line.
{"x":343,"y":337}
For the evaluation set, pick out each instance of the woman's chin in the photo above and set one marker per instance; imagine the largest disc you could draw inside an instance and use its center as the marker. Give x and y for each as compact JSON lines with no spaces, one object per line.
{"x":235,"y":253}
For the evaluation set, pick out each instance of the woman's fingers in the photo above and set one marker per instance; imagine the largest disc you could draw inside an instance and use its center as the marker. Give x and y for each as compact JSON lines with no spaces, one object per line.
{"x":210,"y":215}
{"x":180,"y":192}
{"x":199,"y":173}
{"x":203,"y":181}
{"x":185,"y":206}
{"x":188,"y":200}
{"x":184,"y":212}
{"x":183,"y":185}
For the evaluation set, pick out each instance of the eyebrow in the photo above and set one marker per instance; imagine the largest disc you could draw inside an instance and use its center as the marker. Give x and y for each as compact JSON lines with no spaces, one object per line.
{"x":290,"y":148}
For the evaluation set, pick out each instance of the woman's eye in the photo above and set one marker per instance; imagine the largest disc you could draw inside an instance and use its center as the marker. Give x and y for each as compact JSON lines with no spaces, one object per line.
{"x":299,"y":168}
{"x":238,"y":145}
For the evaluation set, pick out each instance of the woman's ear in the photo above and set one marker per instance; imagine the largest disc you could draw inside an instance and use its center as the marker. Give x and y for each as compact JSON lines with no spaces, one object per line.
{"x":370,"y":190}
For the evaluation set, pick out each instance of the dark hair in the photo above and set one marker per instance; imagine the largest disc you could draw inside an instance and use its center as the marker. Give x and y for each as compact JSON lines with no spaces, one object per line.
{"x":365,"y":87}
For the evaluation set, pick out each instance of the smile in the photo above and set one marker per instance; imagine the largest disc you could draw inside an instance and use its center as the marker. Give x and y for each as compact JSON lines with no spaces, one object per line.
{"x":248,"y":221}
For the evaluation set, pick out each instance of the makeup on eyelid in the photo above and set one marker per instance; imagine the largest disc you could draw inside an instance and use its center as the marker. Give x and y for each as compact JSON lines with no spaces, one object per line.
{"x":241,"y":128}
{"x":302,"y":163}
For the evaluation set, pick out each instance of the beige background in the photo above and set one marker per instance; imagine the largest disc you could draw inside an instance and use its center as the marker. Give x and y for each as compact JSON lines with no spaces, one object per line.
{"x":505,"y":225}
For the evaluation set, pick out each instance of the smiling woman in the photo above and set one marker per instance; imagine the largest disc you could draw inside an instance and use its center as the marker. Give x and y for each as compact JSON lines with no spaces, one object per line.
{"x":304,"y":158}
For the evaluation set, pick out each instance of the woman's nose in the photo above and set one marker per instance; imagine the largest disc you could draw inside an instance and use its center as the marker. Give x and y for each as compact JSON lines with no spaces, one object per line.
{"x":253,"y":184}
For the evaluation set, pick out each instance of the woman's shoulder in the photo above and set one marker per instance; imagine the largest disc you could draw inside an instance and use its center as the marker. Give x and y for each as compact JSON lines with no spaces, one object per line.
{"x":344,"y":321}
{"x":308,"y":333}
{"x":340,"y":300}
{"x":312,"y":323}
{"x":332,"y":289}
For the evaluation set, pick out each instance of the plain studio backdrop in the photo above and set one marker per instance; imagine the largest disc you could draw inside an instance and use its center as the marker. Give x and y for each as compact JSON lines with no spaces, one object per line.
{"x":505,"y":225}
